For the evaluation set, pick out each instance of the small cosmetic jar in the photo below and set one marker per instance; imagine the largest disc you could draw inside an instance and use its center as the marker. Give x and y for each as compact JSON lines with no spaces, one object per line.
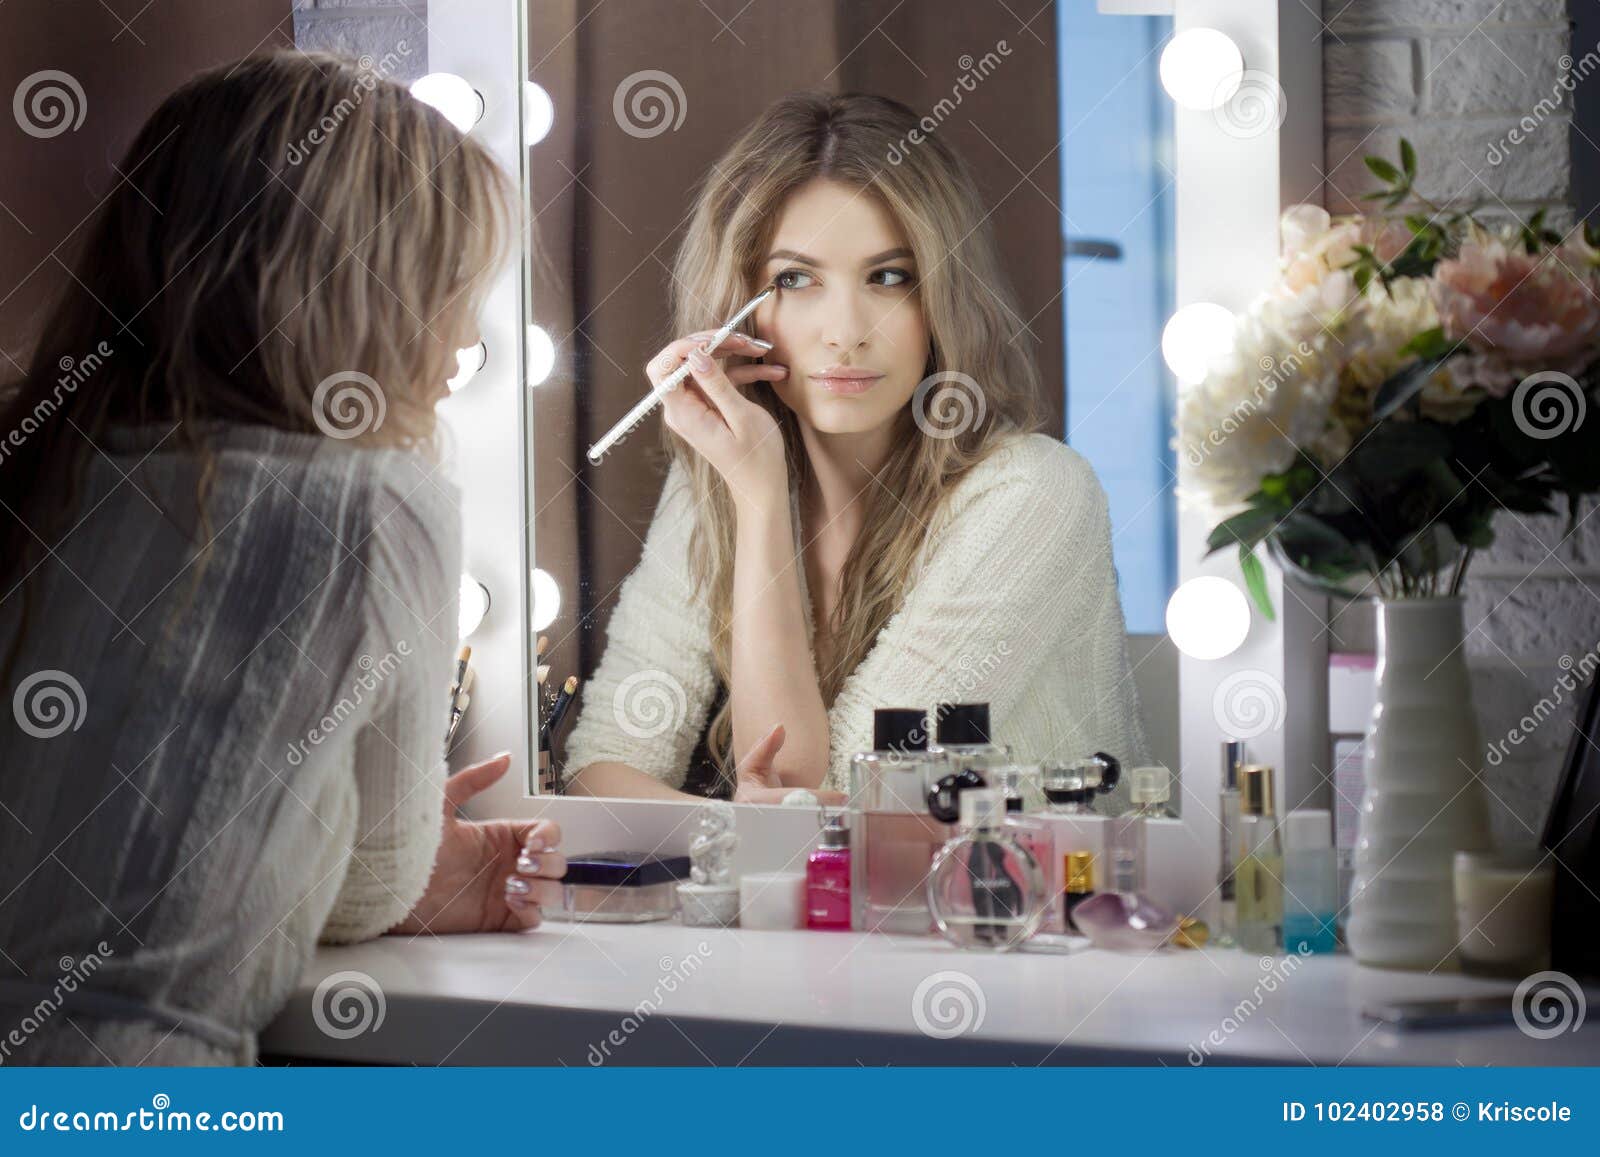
{"x":620,"y":887}
{"x":772,"y":900}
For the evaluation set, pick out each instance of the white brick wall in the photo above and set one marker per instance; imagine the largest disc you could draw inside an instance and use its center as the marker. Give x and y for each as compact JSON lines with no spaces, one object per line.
{"x":366,"y":27}
{"x":1456,"y":77}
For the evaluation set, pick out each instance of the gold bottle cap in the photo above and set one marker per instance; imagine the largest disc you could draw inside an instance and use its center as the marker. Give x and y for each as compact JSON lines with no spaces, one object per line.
{"x":1078,"y":871}
{"x":1255,"y":790}
{"x":1191,"y":933}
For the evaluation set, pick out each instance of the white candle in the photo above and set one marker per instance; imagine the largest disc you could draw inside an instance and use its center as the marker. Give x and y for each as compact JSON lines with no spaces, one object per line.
{"x":1503,"y":903}
{"x":772,"y":900}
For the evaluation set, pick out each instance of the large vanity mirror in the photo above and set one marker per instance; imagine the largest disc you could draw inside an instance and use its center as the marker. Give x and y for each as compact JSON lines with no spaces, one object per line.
{"x":949,"y":480}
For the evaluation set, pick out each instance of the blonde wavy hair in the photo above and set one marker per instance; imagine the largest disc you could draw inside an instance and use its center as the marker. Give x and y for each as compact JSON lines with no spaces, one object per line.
{"x":966,"y":303}
{"x":280,"y":221}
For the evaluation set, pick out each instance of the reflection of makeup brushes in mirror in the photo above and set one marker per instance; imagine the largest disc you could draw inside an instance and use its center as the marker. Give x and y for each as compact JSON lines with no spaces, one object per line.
{"x":671,"y":382}
{"x":542,"y":646}
{"x":559,"y":709}
{"x":458,"y":695}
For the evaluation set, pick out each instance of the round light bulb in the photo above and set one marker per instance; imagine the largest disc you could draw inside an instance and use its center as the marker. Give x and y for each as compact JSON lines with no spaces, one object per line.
{"x":1201,"y":69}
{"x":1208,"y":617}
{"x":538,"y":113}
{"x":474,"y":605}
{"x":468,"y":362}
{"x":541,"y":355}
{"x":460,"y":103}
{"x":1194,"y":337}
{"x":546,"y":599}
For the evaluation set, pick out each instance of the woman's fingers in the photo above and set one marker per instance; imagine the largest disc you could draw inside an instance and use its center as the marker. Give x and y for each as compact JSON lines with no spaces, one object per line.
{"x":744,"y":375}
{"x":469,"y":781}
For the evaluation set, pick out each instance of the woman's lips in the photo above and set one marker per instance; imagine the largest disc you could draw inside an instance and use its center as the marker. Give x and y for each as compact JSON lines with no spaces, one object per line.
{"x":851,"y":385}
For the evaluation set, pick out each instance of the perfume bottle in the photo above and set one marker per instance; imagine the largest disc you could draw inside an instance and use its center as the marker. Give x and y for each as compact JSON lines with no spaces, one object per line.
{"x":1070,"y":788}
{"x":1020,"y":784}
{"x":962,"y":737}
{"x":1258,"y":876}
{"x":828,"y":877}
{"x":1151,"y":789}
{"x":986,"y":890}
{"x":1078,"y":868}
{"x":894,"y":836}
{"x":1310,"y":882}
{"x":1228,"y":814}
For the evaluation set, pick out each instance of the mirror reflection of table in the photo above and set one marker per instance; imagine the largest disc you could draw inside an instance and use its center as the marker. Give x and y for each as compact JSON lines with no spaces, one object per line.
{"x":662,"y":994}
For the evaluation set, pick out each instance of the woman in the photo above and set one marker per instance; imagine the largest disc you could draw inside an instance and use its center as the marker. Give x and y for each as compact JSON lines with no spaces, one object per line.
{"x":857,"y":512}
{"x":229,"y":563}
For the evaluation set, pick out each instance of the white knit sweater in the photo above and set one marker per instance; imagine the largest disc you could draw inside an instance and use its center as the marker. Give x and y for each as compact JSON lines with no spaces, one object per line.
{"x":1014,"y":603}
{"x":256,"y":762}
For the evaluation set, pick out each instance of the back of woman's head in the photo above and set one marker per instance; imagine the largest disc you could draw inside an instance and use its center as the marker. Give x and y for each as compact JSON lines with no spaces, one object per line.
{"x":282,"y":232}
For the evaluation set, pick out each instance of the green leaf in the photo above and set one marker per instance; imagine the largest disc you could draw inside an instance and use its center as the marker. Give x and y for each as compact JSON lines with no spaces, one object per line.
{"x":1255,"y":581}
{"x":1405,"y":385}
{"x":1430,"y":344}
{"x":1383,"y":169}
{"x":1408,"y":159}
{"x":1245,"y":528}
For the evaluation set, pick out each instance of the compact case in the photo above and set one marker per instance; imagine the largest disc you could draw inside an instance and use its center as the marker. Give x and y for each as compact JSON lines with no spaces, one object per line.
{"x":620,"y":887}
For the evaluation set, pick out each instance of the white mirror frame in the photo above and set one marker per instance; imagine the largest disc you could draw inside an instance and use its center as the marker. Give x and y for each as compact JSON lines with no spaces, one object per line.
{"x":1230,"y":193}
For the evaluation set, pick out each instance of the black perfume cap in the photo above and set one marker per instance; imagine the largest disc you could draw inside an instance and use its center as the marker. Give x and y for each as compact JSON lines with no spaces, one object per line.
{"x":899,"y":729}
{"x":962,"y":723}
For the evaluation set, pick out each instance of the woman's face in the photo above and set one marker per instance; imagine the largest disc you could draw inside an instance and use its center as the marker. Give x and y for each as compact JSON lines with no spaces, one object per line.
{"x":847,"y":303}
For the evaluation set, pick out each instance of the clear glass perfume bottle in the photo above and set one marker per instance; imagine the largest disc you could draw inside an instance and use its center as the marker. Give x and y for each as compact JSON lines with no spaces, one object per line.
{"x":1020,"y":783}
{"x":1152,"y":786}
{"x":986,"y":890}
{"x":1071,"y":788}
{"x":1228,"y":814}
{"x":1258,"y":876}
{"x":894,"y":837}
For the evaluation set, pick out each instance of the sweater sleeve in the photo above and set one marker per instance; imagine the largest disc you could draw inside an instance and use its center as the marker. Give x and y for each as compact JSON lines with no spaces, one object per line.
{"x":1018,"y":567}
{"x":412,"y":563}
{"x":646,"y":703}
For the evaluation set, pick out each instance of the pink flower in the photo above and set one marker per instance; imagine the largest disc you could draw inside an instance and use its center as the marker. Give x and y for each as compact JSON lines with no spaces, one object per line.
{"x":1528,"y":309}
{"x":1314,"y":245}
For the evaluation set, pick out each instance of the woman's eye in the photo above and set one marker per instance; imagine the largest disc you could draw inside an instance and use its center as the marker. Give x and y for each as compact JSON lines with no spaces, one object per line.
{"x":781,"y":281}
{"x":904,"y":276}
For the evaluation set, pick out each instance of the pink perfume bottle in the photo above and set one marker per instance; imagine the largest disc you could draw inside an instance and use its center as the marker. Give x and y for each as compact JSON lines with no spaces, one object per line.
{"x":828,"y":878}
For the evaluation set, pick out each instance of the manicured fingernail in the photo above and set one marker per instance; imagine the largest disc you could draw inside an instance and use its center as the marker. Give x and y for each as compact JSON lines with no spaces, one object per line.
{"x":762,"y":342}
{"x":534,"y":844}
{"x":699,"y":360}
{"x":783,"y":371}
{"x":521,"y":903}
{"x":528,"y":864}
{"x":517,"y":886}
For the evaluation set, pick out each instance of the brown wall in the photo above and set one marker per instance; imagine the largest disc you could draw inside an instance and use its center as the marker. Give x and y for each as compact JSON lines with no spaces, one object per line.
{"x":49,"y":187}
{"x":611,"y":210}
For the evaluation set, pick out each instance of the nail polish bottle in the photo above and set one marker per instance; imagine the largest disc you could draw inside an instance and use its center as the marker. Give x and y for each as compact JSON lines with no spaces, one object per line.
{"x":828,"y":878}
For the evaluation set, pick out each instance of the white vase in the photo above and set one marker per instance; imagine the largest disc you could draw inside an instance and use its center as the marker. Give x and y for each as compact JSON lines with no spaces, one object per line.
{"x":1423,"y":800}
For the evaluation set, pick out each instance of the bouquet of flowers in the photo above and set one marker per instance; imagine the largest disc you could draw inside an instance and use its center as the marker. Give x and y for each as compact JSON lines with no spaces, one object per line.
{"x":1410,"y":374}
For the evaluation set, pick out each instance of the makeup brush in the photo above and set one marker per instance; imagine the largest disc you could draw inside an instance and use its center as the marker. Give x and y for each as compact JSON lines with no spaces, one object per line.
{"x":671,"y":382}
{"x":563,"y":701}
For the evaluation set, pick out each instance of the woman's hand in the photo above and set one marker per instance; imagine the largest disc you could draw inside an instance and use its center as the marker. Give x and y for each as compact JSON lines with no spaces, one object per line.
{"x":490,"y":876}
{"x":736,"y":435}
{"x":757,"y":782}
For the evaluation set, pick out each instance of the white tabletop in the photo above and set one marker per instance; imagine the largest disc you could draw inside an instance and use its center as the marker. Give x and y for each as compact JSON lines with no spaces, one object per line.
{"x":580,"y":994}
